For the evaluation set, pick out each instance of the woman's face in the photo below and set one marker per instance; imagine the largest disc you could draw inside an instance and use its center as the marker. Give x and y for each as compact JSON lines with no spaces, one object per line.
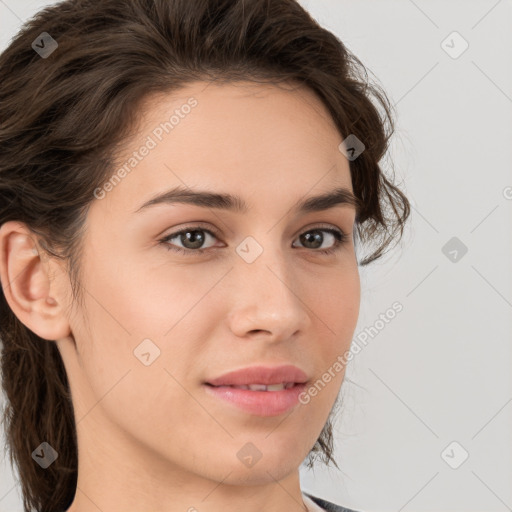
{"x":157,"y":324}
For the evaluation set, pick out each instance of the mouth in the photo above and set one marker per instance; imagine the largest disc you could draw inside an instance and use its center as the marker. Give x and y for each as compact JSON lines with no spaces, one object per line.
{"x":259,"y":390}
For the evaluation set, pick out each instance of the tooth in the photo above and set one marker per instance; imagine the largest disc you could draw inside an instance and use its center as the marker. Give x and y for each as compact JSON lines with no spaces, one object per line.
{"x":275,"y":387}
{"x":257,"y":387}
{"x":263,"y":387}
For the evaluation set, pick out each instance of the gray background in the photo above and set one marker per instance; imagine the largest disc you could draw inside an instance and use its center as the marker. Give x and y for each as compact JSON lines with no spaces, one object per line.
{"x":439,"y":372}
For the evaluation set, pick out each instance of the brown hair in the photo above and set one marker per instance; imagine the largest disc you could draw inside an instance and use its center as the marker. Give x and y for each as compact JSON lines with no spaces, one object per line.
{"x":64,"y":116}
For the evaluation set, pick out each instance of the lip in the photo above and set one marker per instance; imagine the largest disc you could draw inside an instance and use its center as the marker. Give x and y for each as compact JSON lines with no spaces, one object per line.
{"x":261,"y":375}
{"x":259,"y":403}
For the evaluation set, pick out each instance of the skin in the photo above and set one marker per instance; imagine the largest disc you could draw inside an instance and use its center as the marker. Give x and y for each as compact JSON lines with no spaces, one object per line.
{"x":152,"y":432}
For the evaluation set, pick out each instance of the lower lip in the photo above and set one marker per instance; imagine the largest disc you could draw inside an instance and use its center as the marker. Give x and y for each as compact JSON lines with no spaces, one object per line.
{"x":260,"y":403}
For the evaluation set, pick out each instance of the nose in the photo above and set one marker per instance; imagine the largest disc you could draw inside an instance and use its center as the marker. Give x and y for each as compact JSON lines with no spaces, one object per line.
{"x":268,"y":298}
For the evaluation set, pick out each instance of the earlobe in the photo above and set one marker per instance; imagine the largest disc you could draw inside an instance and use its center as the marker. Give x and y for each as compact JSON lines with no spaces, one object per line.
{"x":26,"y":283}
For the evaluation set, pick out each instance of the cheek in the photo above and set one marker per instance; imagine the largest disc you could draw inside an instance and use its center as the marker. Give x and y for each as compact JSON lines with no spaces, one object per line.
{"x":336,"y":306}
{"x":149,"y":300}
{"x":117,"y":383}
{"x":335,"y":313}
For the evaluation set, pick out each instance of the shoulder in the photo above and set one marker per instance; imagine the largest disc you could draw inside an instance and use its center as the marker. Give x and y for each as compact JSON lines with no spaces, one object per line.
{"x":328,"y":506}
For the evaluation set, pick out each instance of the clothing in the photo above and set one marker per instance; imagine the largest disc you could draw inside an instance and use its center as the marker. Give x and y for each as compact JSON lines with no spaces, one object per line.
{"x":310,"y":504}
{"x":316,"y":504}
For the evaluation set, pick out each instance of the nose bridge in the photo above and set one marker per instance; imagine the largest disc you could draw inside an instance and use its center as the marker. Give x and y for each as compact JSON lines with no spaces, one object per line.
{"x":264,"y":264}
{"x":267,"y":297}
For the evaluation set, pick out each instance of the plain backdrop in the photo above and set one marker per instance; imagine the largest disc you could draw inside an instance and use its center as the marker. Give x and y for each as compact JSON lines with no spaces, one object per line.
{"x":427,"y":402}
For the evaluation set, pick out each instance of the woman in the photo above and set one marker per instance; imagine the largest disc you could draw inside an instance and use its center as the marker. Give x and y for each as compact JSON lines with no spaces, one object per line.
{"x":184,"y":186}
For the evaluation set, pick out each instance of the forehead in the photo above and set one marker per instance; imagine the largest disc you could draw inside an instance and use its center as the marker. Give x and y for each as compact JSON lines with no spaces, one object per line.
{"x":213,"y":97}
{"x":282,"y":116}
{"x":244,"y":137}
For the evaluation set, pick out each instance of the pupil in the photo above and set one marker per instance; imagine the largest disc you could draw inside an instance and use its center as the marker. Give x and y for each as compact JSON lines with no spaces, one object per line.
{"x":197,"y":240}
{"x":317,"y":236}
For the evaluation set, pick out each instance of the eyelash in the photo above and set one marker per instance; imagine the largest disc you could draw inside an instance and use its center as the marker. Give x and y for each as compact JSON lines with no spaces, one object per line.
{"x":340,"y":236}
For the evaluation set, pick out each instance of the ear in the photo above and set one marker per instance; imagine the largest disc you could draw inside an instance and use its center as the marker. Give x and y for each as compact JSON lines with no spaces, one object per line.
{"x":24,"y":274}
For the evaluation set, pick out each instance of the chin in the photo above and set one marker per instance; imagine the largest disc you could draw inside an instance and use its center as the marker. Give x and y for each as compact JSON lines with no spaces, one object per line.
{"x":267,"y":466}
{"x":259,"y":474}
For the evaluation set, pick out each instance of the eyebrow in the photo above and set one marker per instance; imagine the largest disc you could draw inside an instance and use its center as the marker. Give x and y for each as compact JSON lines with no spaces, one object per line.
{"x":339,"y":196}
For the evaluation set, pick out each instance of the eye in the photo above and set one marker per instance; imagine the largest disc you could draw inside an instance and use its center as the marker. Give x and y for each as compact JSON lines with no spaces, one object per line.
{"x":193,"y":238}
{"x":314,"y":236}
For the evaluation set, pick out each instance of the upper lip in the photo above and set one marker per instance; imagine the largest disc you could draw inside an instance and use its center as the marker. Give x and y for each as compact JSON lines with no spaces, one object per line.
{"x":261,"y":375}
